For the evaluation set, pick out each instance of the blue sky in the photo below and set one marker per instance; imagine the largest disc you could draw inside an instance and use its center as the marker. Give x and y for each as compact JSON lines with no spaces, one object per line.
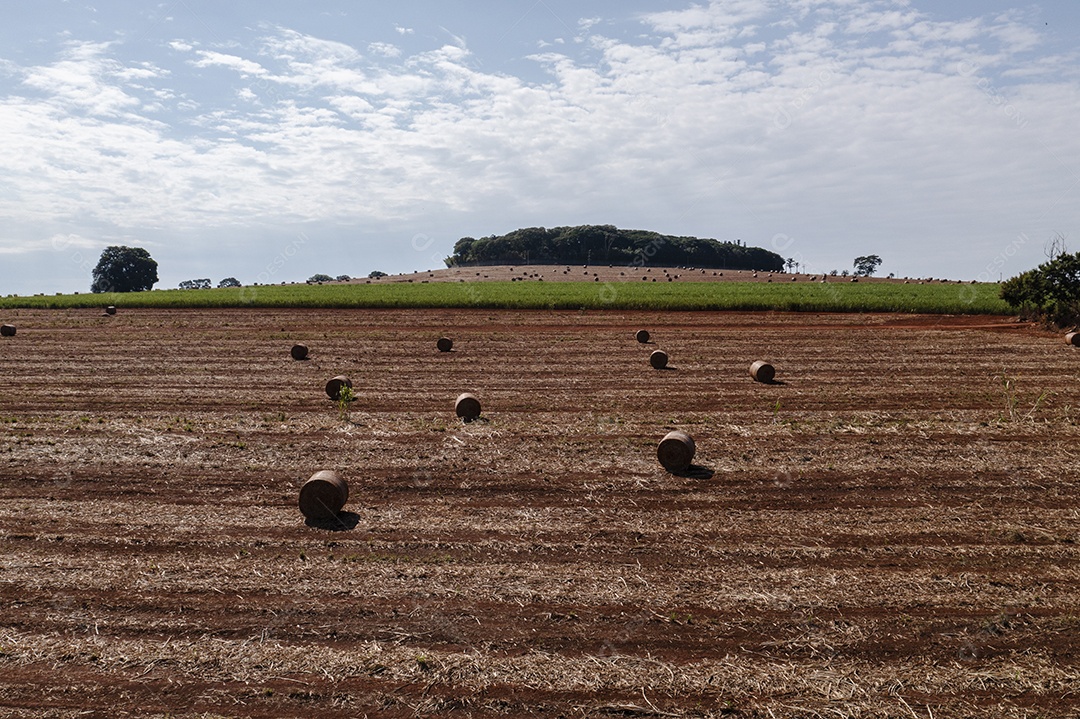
{"x":269,"y":141}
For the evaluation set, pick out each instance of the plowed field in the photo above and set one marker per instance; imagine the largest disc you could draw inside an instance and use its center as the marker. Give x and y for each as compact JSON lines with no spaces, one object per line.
{"x":890,"y":530}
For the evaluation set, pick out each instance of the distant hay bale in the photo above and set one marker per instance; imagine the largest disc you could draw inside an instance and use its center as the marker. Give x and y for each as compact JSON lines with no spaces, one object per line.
{"x":110,"y":310}
{"x":762,"y":372}
{"x":642,"y":336}
{"x":445,"y":344}
{"x":658,"y":359}
{"x":1073,"y":338}
{"x":323,"y":495}
{"x":467,"y":407}
{"x":299,"y":352}
{"x":7,"y":330}
{"x":334,"y":385}
{"x":676,"y":451}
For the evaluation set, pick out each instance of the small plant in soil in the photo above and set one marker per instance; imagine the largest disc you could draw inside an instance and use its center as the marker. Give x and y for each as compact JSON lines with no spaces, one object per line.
{"x":346,"y":396}
{"x":1013,"y":411}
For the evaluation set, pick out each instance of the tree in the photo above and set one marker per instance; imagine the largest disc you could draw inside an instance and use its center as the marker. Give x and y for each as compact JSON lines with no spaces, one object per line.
{"x":343,"y":278}
{"x":124,"y":269}
{"x":1051,"y":291}
{"x":229,"y":282}
{"x":376,"y":274}
{"x":203,"y":284}
{"x":585,"y":244}
{"x":866,"y":265}
{"x":320,"y":278}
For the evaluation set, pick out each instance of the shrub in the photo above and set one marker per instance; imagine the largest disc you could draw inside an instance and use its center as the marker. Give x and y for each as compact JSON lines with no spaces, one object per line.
{"x":201,"y":284}
{"x":1049,"y":293}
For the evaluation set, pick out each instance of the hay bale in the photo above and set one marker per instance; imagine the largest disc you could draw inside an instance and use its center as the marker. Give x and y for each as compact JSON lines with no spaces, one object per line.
{"x":642,"y":336}
{"x":323,"y":495}
{"x":467,"y":407}
{"x":762,"y":372}
{"x":1073,"y":338}
{"x":7,"y":330}
{"x":676,"y":451}
{"x":334,"y":385}
{"x":658,"y":359}
{"x":110,"y":310}
{"x":445,"y":344}
{"x":299,"y":352}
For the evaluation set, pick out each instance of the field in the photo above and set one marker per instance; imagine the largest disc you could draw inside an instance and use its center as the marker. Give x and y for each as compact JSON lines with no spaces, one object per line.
{"x":889,"y":531}
{"x":563,"y":288}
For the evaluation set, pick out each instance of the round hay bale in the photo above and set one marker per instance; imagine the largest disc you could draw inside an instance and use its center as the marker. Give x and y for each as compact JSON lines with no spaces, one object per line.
{"x":110,"y":310}
{"x":299,"y":352}
{"x":334,"y":385}
{"x":658,"y":359}
{"x":762,"y":372}
{"x":445,"y":344}
{"x":467,"y":407}
{"x":323,"y":495}
{"x":7,"y":330}
{"x":676,"y":451}
{"x":1073,"y":338}
{"x":642,"y":336}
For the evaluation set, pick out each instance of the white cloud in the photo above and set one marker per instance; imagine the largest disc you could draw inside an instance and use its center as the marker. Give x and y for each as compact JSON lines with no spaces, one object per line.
{"x":832,"y":121}
{"x":72,"y":241}
{"x":86,"y":78}
{"x":232,"y":62}
{"x":384,"y":49}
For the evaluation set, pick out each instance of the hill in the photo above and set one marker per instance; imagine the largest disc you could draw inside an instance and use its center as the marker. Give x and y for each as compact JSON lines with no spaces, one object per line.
{"x":608,"y":245}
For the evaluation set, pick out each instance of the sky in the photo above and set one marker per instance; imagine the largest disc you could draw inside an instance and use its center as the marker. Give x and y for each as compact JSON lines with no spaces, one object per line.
{"x":272,"y":140}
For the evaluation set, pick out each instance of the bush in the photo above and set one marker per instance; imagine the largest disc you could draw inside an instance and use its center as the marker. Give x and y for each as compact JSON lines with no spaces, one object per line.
{"x":203,"y":284}
{"x":1049,"y":293}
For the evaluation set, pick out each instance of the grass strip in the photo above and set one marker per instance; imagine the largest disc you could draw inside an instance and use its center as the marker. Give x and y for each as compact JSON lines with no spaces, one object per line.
{"x":677,"y":296}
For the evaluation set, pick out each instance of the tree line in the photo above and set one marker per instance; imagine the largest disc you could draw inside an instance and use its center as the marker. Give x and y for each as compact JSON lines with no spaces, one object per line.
{"x":606,"y":244}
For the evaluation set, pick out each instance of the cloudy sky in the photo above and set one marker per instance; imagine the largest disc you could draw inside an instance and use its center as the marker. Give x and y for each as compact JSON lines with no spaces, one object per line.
{"x":270,"y":140}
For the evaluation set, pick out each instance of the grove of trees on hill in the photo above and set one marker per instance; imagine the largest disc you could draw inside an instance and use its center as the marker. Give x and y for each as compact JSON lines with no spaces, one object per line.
{"x":608,"y":245}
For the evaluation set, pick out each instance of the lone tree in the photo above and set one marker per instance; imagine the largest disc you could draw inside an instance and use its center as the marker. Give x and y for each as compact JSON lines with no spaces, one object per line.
{"x":866,"y":265}
{"x":229,"y":282}
{"x":124,"y":269}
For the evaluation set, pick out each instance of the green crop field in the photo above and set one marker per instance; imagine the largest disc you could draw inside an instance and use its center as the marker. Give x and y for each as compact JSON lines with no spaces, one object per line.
{"x":804,"y":297}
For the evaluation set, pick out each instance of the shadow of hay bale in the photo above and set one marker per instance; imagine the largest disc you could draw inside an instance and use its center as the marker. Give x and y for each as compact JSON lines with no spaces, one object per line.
{"x":696,"y":471}
{"x":341,"y":522}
